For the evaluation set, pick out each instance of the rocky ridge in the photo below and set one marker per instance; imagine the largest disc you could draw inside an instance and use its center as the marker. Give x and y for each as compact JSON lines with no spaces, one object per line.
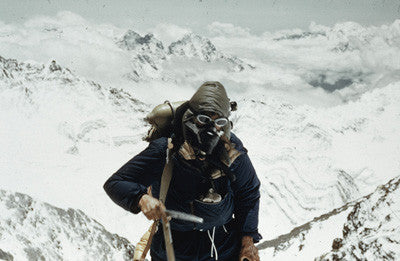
{"x":372,"y":230}
{"x":365,"y":229}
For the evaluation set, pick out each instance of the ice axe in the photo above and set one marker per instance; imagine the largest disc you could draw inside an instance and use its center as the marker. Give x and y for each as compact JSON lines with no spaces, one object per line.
{"x":184,"y":216}
{"x":143,"y":246}
{"x":167,"y":228}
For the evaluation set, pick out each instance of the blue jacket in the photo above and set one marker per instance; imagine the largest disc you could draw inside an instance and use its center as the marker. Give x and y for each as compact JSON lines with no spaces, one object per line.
{"x":240,"y":197}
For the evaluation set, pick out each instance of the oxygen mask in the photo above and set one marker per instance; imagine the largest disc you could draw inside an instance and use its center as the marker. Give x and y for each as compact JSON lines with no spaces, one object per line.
{"x":204,"y":133}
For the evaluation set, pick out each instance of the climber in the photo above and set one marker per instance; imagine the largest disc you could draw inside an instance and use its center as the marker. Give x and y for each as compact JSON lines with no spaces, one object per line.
{"x":212,"y":178}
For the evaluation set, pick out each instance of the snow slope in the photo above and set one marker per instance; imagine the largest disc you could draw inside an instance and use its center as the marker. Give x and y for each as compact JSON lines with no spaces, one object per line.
{"x":311,"y":161}
{"x":83,"y":128}
{"x":33,"y":230}
{"x":372,"y":230}
{"x":365,"y":229}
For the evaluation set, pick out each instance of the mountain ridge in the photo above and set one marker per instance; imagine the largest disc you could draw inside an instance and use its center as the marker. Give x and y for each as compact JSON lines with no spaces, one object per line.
{"x":34,"y":230}
{"x":148,"y":54}
{"x":356,"y":231}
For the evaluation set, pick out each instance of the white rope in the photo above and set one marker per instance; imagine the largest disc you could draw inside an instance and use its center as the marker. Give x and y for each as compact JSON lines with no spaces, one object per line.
{"x":213,"y":247}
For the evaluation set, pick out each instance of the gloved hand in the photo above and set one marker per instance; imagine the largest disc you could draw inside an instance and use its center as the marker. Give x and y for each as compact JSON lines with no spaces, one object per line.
{"x":249,"y":252}
{"x":151,"y":207}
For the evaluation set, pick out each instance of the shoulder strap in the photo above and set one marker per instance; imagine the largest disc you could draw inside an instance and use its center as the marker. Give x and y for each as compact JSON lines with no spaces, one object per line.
{"x":144,"y":245}
{"x":165,"y":181}
{"x":167,"y":174}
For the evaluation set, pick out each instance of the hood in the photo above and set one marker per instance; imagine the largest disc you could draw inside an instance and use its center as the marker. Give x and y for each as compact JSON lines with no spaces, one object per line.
{"x":211,"y":97}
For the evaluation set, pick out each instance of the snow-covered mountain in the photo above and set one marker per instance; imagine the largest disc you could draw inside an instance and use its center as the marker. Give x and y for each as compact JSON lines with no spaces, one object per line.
{"x":195,"y":46}
{"x":146,"y":53}
{"x":148,"y":56}
{"x":365,"y":229}
{"x":319,"y":115}
{"x":14,"y":73}
{"x":33,"y":230}
{"x":66,"y":122}
{"x":372,"y":229}
{"x":301,"y":153}
{"x":56,"y":92}
{"x":311,"y":160}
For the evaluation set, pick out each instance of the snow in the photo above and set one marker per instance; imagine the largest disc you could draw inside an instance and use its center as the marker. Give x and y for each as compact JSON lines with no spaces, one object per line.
{"x":32,"y":230}
{"x":319,"y":114}
{"x":365,"y":229}
{"x":309,"y":244}
{"x":372,"y":228}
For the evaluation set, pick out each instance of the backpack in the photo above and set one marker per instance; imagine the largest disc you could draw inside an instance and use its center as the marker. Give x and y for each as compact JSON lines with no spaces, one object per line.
{"x":164,"y":119}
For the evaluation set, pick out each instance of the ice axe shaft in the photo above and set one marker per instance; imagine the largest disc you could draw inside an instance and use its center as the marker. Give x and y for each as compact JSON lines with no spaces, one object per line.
{"x":167,"y":228}
{"x":168,"y":238}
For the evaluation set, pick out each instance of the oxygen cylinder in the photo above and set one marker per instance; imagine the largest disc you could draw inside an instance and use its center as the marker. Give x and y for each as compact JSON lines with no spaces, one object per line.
{"x":161,"y":118}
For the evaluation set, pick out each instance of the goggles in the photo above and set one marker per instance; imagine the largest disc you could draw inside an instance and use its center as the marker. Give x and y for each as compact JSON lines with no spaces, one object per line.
{"x":205,"y":120}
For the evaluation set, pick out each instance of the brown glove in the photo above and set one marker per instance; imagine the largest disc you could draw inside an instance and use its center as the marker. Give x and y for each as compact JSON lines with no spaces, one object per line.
{"x":249,"y":252}
{"x":151,"y":207}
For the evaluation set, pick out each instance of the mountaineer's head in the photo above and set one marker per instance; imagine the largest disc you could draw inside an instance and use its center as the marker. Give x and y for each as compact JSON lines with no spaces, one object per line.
{"x":206,"y":120}
{"x":211,"y":97}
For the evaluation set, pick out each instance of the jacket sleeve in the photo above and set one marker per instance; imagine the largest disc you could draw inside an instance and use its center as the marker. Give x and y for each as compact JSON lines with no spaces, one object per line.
{"x":130,"y":182}
{"x":246,"y":189}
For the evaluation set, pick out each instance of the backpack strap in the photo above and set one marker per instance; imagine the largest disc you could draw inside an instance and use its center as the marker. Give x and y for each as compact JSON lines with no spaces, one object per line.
{"x":165,"y":181}
{"x":145,"y":242}
{"x":167,"y":174}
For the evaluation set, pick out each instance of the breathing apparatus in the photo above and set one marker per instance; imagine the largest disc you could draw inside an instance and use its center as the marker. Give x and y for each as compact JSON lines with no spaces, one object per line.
{"x":202,"y":134}
{"x":199,"y":129}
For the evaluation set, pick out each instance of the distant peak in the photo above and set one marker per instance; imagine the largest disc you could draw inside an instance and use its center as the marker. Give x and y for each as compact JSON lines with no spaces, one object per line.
{"x":130,"y":40}
{"x":193,"y":45}
{"x":53,"y":66}
{"x":191,"y":37}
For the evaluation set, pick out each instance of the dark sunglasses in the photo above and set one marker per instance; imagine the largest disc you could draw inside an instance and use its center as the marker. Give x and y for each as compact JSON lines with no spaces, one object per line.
{"x":204,"y":119}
